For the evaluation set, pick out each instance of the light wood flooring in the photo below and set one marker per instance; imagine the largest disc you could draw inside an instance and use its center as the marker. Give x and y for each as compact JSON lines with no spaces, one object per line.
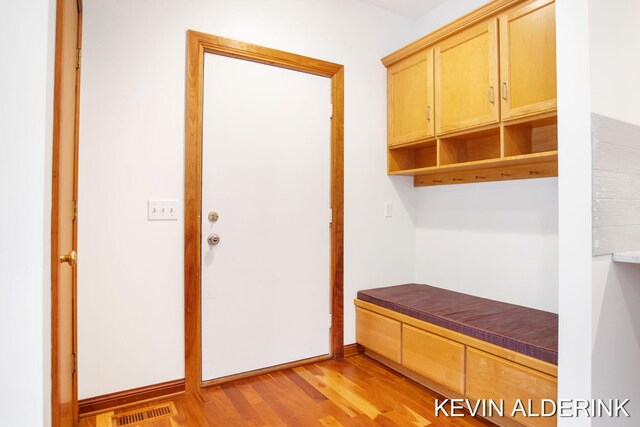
{"x":356,"y":391}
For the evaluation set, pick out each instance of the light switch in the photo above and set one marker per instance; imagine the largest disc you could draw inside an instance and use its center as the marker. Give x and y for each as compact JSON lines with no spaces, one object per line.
{"x":388,"y":209}
{"x":162,"y":210}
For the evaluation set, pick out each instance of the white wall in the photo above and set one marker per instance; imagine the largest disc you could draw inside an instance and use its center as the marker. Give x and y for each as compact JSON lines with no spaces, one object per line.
{"x":616,"y":336}
{"x":496,"y":240}
{"x":614,"y":60}
{"x":443,"y":14}
{"x":574,"y":145}
{"x":132,"y":138}
{"x":27,"y":32}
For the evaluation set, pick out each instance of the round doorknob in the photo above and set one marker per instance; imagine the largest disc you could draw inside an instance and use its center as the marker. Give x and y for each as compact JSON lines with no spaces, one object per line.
{"x":71,"y":258}
{"x":213,"y":239}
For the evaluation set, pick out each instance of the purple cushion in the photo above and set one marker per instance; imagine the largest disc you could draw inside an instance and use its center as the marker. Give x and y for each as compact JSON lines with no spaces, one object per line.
{"x":522,"y":329}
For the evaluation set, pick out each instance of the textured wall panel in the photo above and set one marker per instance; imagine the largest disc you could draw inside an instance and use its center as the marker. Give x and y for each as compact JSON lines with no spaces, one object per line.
{"x":616,"y":185}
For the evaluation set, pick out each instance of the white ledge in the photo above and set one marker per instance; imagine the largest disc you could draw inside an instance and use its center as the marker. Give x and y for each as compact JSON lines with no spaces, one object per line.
{"x":631,"y":257}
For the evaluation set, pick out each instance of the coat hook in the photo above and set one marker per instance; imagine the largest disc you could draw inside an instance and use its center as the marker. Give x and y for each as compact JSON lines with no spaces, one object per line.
{"x":534,"y":173}
{"x":437,"y":181}
{"x":480,"y":177}
{"x":457,"y":179}
{"x":505,"y":174}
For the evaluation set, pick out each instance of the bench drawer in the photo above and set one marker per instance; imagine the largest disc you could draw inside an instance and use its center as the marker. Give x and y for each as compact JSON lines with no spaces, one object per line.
{"x":491,"y":377}
{"x":435,"y":357}
{"x":378,"y":333}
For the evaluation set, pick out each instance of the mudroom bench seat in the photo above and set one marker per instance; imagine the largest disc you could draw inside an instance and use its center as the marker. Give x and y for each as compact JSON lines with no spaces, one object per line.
{"x":463,"y":346}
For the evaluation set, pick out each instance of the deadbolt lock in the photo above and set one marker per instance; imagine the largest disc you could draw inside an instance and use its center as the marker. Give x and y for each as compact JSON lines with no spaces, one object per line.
{"x":213,"y":216}
{"x":213,"y":239}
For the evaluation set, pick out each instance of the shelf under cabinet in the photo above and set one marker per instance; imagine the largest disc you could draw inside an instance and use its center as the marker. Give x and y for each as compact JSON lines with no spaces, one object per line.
{"x":536,"y":165}
{"x":518,"y":149}
{"x":526,"y":159}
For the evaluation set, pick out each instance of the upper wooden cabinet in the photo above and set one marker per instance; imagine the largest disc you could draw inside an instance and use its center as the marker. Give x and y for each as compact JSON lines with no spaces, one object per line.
{"x":466,"y":78}
{"x":475,"y":101}
{"x":528,"y":59}
{"x":410,"y":99}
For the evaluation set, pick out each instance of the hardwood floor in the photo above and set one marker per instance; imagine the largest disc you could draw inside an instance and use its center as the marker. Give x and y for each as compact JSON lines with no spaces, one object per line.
{"x":356,"y":391}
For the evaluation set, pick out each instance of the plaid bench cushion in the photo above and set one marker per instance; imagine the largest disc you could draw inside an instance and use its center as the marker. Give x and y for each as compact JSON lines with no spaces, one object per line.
{"x":522,"y":329}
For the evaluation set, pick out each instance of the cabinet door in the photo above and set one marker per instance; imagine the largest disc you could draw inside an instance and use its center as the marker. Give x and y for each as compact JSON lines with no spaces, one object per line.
{"x":528,"y":59}
{"x":433,"y":356}
{"x":410,"y":99}
{"x":466,"y":78}
{"x":495,"y":378}
{"x":379,"y":334}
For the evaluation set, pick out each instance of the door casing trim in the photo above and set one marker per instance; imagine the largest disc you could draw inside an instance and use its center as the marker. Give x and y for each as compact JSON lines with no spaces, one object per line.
{"x":56,"y":405}
{"x":197,"y":45}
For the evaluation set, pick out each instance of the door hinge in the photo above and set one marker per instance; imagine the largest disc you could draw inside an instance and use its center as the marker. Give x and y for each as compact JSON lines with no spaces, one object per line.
{"x":330,"y":216}
{"x":78,"y":57}
{"x":74,"y":362}
{"x":75,"y":210}
{"x":330,"y":320}
{"x":331,"y":111}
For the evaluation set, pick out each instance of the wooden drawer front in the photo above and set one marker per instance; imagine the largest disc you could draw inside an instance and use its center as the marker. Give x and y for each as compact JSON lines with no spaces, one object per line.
{"x":491,"y":377}
{"x":378,"y":333}
{"x":435,"y":357}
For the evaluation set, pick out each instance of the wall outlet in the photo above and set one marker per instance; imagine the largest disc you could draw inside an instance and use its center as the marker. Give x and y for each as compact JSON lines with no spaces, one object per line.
{"x":388,"y":210}
{"x":162,"y":210}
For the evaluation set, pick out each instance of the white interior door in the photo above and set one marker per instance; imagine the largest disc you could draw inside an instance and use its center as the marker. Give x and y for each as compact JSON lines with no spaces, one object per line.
{"x":266,"y":172}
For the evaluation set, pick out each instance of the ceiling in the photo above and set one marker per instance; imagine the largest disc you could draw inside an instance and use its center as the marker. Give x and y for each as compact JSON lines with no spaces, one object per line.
{"x":410,"y":8}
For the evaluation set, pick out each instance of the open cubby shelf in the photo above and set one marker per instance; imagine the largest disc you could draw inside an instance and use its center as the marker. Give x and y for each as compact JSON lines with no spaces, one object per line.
{"x":470,"y":147}
{"x":537,"y":136}
{"x":419,"y":156}
{"x":527,"y":148}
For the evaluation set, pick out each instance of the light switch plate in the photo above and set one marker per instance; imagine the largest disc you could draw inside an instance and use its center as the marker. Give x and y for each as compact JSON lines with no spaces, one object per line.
{"x":162,"y":210}
{"x":388,"y":210}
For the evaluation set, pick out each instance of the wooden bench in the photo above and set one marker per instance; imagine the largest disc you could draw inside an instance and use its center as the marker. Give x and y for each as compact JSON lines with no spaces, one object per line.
{"x":463,"y":346}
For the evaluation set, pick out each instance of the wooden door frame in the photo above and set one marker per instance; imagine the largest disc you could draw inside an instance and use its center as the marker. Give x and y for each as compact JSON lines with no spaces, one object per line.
{"x":55,"y":187}
{"x":197,"y":45}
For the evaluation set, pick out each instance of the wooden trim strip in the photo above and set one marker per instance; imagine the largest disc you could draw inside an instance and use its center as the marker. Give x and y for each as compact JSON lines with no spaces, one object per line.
{"x":192,"y":208}
{"x":197,"y":44}
{"x":55,"y":196}
{"x":120,"y":399}
{"x":337,"y":224}
{"x":289,"y":365}
{"x":76,"y":197}
{"x":491,"y":9}
{"x":505,"y":353}
{"x":60,"y":412}
{"x":354,"y":349}
{"x":508,"y":170}
{"x":264,"y":55}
